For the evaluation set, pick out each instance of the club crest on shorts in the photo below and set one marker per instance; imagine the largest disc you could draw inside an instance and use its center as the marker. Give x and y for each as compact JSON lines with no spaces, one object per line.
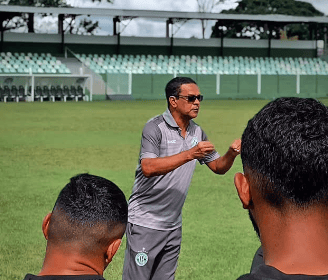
{"x":141,"y":258}
{"x":194,"y":142}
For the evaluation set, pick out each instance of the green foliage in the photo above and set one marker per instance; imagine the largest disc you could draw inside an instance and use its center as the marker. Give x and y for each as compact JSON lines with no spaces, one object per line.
{"x":281,"y":7}
{"x":260,"y":30}
{"x":85,"y":26}
{"x":38,"y":3}
{"x":12,"y":21}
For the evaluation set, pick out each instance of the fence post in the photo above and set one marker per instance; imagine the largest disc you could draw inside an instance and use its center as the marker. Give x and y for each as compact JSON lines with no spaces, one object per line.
{"x":259,"y":82}
{"x":91,"y":86}
{"x":278,"y":84}
{"x":130,"y":83}
{"x":218,"y":83}
{"x":298,"y":83}
{"x":238,"y":84}
{"x":32,"y":88}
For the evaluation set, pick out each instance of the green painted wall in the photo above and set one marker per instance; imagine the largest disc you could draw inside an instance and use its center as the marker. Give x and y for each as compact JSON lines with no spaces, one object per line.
{"x":234,"y":86}
{"x":269,"y":86}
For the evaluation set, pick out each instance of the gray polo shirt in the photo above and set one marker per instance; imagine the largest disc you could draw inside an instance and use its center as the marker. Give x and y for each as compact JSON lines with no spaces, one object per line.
{"x":156,"y":202}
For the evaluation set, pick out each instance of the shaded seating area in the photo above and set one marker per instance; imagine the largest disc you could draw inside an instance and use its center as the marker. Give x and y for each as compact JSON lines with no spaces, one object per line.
{"x":192,"y":64}
{"x":15,"y":88}
{"x":26,"y":63}
{"x":12,"y":93}
{"x":58,"y":93}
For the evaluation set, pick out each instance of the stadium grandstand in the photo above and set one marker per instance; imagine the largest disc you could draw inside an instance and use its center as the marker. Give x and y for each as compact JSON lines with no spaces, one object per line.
{"x":79,"y":67}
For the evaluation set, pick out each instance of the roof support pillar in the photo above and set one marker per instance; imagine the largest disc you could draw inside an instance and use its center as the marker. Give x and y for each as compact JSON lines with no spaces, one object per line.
{"x":2,"y":31}
{"x":117,"y":32}
{"x":325,"y":39}
{"x":61,"y":31}
{"x":168,"y":23}
{"x":316,"y":39}
{"x":167,"y":28}
{"x":270,"y":38}
{"x":221,"y":23}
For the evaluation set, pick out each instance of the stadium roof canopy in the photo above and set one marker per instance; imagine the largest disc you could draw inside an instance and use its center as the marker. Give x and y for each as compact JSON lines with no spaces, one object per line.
{"x":161,"y":14}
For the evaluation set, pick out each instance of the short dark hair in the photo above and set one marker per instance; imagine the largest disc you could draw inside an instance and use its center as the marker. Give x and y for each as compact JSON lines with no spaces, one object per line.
{"x":173,"y":87}
{"x":285,"y":152}
{"x":88,"y":206}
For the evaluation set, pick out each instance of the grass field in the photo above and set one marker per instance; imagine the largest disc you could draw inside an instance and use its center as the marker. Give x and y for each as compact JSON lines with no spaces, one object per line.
{"x":42,"y":145}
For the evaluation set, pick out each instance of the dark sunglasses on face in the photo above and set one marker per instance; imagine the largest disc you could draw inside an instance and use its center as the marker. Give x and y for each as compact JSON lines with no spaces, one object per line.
{"x":192,"y":98}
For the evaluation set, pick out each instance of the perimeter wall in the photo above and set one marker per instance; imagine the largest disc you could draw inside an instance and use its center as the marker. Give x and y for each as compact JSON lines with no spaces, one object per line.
{"x":151,"y":86}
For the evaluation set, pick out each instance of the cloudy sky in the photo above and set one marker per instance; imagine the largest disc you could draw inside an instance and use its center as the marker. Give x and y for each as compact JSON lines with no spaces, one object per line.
{"x":156,"y":28}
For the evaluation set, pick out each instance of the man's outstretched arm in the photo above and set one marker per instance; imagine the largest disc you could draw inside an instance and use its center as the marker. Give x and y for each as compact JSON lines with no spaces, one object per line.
{"x":163,"y":165}
{"x":224,"y":163}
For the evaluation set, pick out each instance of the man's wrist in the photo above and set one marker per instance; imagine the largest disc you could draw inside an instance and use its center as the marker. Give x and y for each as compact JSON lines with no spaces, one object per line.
{"x":190,"y":155}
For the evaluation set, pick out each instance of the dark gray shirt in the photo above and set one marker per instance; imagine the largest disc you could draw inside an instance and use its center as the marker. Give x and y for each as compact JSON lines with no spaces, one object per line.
{"x":266,"y":272}
{"x":156,"y":202}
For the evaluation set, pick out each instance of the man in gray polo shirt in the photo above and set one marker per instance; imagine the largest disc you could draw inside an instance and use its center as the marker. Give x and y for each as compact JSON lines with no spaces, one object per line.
{"x":170,"y":145}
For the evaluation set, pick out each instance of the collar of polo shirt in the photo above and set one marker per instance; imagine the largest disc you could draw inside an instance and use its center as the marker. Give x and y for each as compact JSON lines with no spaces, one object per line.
{"x":169,"y":119}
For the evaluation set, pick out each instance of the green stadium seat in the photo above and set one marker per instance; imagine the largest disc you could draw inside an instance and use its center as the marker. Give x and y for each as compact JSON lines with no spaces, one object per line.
{"x":3,"y":97}
{"x":46,"y":92}
{"x":38,"y":94}
{"x":60,"y":93}
{"x":21,"y":92}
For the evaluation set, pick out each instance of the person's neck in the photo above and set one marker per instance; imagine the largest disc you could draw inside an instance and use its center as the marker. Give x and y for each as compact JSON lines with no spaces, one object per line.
{"x":297,"y":244}
{"x":64,"y":263}
{"x":181,"y":121}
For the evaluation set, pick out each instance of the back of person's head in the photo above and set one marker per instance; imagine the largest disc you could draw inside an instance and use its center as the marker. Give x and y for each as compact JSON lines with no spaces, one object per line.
{"x":285,"y":153}
{"x":90,"y":212}
{"x":173,"y":87}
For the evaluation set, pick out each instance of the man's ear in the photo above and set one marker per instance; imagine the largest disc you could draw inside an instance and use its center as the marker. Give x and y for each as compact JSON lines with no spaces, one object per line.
{"x":112,"y":249}
{"x":243,"y":189}
{"x":45,"y":225}
{"x":173,"y":101}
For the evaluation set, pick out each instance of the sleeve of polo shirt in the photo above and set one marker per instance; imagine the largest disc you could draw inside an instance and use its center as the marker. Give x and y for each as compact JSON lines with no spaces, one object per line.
{"x":210,"y":157}
{"x":150,"y":141}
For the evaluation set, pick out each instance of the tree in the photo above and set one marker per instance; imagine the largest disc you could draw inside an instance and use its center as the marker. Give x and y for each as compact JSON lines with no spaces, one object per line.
{"x":207,"y":6}
{"x":261,"y":30}
{"x":11,"y":21}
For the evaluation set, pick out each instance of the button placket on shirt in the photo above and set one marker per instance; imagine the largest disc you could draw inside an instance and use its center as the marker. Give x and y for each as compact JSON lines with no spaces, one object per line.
{"x":184,"y":139}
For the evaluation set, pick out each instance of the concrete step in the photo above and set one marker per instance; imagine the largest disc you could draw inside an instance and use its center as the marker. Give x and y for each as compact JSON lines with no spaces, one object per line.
{"x":72,"y":63}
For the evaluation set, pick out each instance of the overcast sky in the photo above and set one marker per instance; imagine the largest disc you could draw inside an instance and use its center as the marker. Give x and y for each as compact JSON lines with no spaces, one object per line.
{"x":156,"y":28}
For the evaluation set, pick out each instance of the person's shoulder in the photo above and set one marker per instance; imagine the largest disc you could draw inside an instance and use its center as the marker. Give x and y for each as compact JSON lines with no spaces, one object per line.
{"x":152,"y":126}
{"x":63,"y":277}
{"x":266,"y":272}
{"x":30,"y":277}
{"x":246,"y":277}
{"x":155,"y":120}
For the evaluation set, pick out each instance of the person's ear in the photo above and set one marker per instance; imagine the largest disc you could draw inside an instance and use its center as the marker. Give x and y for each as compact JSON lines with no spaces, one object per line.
{"x":243,"y":190}
{"x":112,"y":249}
{"x":45,"y":225}
{"x":173,"y":101}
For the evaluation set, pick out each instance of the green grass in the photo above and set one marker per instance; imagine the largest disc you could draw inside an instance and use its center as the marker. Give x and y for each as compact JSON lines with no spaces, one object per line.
{"x":42,"y":145}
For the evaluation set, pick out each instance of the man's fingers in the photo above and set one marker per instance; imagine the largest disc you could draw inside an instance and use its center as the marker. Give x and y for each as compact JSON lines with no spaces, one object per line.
{"x":236,"y":145}
{"x":205,"y":144}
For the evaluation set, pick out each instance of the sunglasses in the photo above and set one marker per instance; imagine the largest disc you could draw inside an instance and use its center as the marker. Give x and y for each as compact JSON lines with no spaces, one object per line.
{"x":192,"y":98}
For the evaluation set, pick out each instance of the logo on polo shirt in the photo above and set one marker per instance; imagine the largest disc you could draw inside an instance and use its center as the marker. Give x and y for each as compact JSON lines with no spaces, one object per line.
{"x":141,"y":258}
{"x":194,"y":142}
{"x":171,"y":141}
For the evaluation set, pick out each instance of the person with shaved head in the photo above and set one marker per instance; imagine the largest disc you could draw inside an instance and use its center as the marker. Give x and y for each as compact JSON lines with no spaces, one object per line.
{"x":84,"y":230}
